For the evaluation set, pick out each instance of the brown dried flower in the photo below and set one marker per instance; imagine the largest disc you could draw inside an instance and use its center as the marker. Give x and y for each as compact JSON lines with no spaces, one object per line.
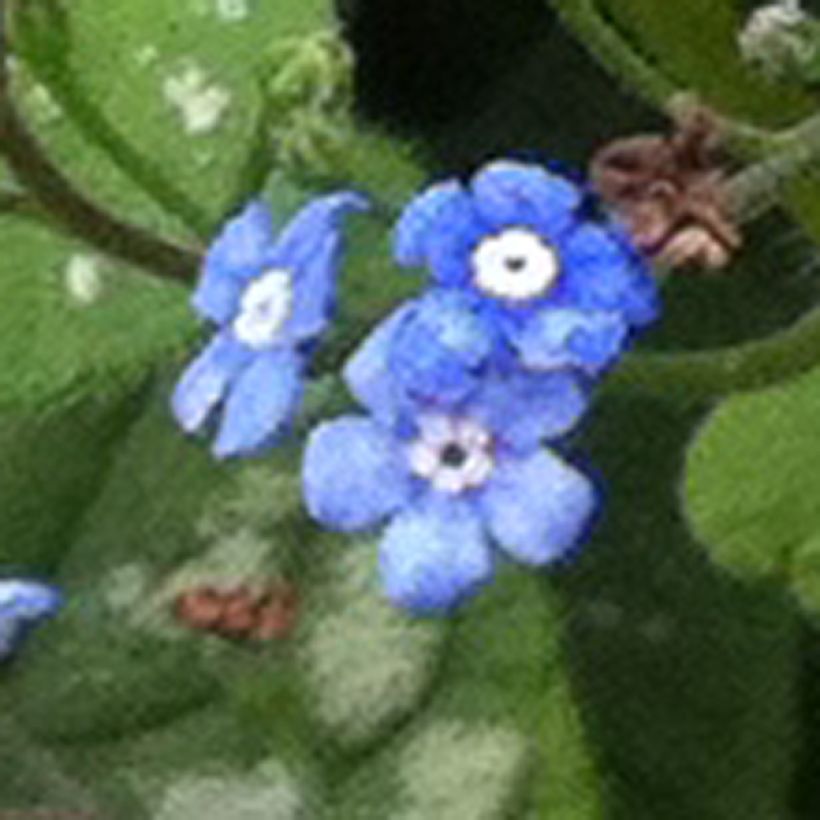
{"x":670,"y":192}
{"x":240,"y":613}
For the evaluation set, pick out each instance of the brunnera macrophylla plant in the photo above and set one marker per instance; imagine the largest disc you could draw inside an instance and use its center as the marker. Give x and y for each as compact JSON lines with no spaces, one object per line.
{"x":467,"y":390}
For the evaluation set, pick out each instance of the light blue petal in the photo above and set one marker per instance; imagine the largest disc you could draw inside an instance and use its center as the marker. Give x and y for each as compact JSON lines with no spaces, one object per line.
{"x":206,"y":380}
{"x":310,"y":227}
{"x":236,"y":255}
{"x":561,"y":337}
{"x":314,"y":292}
{"x":537,"y":508}
{"x":366,"y":372}
{"x":28,"y":599}
{"x":434,"y":554}
{"x":436,"y":353}
{"x":524,"y":408}
{"x":23,"y":604}
{"x":450,"y":256}
{"x":354,"y":474}
{"x":602,"y":273}
{"x":437,"y":214}
{"x":515,"y":193}
{"x":260,"y":404}
{"x":217,"y":296}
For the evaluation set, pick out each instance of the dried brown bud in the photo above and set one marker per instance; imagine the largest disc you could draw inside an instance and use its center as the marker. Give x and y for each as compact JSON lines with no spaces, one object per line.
{"x":670,"y":192}
{"x":199,"y":608}
{"x":240,"y":613}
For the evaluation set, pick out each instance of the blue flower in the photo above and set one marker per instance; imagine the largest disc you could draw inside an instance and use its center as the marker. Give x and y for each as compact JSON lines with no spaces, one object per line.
{"x":563,"y":290}
{"x":452,"y":482}
{"x":22,"y":605}
{"x":269,"y":297}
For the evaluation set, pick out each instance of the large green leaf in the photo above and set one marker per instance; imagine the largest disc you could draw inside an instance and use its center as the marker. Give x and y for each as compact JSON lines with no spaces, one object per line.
{"x":500,"y":734}
{"x":74,"y":321}
{"x":51,"y":467}
{"x":751,"y":486}
{"x":172,"y":95}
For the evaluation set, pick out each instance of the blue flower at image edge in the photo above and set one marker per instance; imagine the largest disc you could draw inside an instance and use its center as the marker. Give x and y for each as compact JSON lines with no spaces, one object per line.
{"x":269,"y":296}
{"x":560,"y":289}
{"x":454,"y":482}
{"x":23,"y":604}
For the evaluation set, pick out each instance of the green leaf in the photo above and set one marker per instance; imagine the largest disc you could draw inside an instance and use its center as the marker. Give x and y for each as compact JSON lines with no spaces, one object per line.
{"x":695,"y":44}
{"x":193,"y":72}
{"x":73,"y":321}
{"x":366,"y":664}
{"x":499,"y":735}
{"x":34,"y":779}
{"x":87,"y":678}
{"x":751,"y":485}
{"x":51,"y":468}
{"x":168,"y":518}
{"x":690,"y":681}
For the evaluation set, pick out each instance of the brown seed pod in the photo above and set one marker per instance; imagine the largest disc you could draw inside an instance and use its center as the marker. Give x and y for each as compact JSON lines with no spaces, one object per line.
{"x":240,"y":613}
{"x":276,"y":615}
{"x":199,"y":608}
{"x":670,"y":192}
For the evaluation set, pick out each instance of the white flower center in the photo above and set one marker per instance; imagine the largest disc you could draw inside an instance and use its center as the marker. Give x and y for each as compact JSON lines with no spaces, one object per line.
{"x":264,"y":309}
{"x":453,"y":454}
{"x":514,"y":264}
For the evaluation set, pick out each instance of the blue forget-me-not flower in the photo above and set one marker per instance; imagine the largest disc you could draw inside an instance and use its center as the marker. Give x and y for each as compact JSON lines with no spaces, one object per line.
{"x":23,"y":604}
{"x":270,"y":298}
{"x":451,"y":482}
{"x":554,"y":286}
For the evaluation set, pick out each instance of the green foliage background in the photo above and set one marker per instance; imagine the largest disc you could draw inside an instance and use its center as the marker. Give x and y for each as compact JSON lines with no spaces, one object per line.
{"x":670,"y":672}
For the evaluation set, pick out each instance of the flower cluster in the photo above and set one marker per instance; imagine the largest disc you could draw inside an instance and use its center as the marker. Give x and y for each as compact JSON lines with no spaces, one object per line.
{"x":464,"y":388}
{"x":529,"y":302}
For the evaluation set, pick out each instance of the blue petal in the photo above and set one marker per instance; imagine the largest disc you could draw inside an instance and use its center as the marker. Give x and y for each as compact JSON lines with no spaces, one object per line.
{"x":538,"y":508}
{"x":438,"y":213}
{"x":28,"y":599}
{"x":523,"y":408}
{"x":22,"y":604}
{"x":450,"y":257}
{"x":514,"y":193}
{"x":261,"y":403}
{"x":311,"y":227}
{"x":602,"y":272}
{"x":235,"y":256}
{"x":354,"y":474}
{"x":366,"y":372}
{"x":436,"y":352}
{"x":434,"y":554}
{"x":560,"y":337}
{"x":206,"y":380}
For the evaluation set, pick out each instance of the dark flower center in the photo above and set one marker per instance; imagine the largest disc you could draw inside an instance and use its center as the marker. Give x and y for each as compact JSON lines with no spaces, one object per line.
{"x":515,"y":264}
{"x":453,"y":455}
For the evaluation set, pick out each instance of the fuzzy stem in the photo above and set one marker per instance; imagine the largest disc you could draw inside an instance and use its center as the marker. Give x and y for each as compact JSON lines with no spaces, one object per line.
{"x":758,"y":187}
{"x":74,"y":212}
{"x":614,"y":52}
{"x":608,"y":46}
{"x":760,"y":363}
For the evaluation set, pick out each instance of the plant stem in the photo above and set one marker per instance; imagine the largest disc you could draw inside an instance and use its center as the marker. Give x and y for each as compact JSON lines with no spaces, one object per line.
{"x":710,"y":374}
{"x":609,"y":47}
{"x":758,"y":187}
{"x":751,"y":365}
{"x":71,"y":209}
